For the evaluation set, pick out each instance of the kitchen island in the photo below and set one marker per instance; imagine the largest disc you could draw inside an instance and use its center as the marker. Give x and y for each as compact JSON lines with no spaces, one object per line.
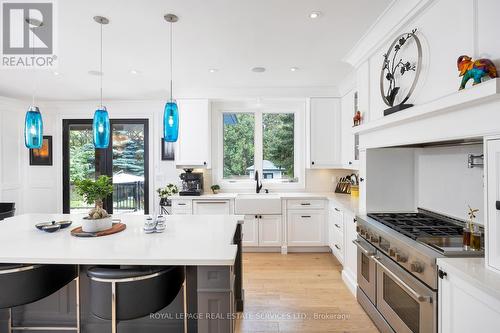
{"x":208,"y":246}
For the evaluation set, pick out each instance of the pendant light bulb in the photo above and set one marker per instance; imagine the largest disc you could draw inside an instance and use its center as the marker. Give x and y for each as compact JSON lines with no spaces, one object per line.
{"x":100,"y":124}
{"x":171,"y":112}
{"x":33,"y":123}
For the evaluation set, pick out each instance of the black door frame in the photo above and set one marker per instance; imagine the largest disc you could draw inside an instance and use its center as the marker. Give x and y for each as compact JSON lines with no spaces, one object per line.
{"x":104,"y":159}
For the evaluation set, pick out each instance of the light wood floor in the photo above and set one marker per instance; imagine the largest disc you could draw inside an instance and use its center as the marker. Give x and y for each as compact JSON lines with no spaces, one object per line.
{"x":284,"y":292}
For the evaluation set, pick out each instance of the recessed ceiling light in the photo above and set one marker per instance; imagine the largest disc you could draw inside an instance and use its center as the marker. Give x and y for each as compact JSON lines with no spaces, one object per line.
{"x":96,"y":73}
{"x":315,"y":15}
{"x":294,"y":69}
{"x":213,"y":70}
{"x":134,"y":72}
{"x":258,"y":69}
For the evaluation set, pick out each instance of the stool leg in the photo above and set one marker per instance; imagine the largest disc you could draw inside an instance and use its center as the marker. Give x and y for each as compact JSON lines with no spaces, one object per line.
{"x":9,"y":324}
{"x":185,"y":306}
{"x":113,"y":307}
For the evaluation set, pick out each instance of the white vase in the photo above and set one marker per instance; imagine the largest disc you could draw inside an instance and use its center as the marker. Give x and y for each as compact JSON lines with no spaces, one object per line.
{"x":89,"y":225}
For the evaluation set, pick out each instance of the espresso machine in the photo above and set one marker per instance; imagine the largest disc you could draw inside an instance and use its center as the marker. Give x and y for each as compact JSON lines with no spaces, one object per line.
{"x":192,"y":183}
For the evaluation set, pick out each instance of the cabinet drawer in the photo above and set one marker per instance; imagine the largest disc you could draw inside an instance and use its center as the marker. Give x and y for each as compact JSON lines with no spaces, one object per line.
{"x":211,"y":207}
{"x":338,"y":246}
{"x":180,"y":204}
{"x":306,"y":204}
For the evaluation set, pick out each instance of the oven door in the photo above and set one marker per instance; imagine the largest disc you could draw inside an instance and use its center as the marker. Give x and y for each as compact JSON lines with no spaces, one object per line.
{"x":405,"y":303}
{"x":366,"y":268}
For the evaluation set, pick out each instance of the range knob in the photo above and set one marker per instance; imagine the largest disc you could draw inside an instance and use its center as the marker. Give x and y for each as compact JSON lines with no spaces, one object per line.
{"x":401,"y":258}
{"x":392,"y":252}
{"x":416,"y":267}
{"x":374,"y":239}
{"x":358,"y":229}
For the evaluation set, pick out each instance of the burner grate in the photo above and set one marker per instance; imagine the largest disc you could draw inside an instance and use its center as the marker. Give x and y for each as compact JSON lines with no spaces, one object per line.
{"x":417,"y":225}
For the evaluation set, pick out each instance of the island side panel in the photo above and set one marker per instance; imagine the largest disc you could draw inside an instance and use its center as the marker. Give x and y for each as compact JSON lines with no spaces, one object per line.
{"x":238,"y":270}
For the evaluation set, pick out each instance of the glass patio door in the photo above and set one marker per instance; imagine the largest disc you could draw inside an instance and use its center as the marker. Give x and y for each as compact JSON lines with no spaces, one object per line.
{"x":125,"y":160}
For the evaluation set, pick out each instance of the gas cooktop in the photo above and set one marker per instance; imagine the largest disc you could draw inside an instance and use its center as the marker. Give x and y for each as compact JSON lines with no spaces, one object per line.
{"x":419,"y":225}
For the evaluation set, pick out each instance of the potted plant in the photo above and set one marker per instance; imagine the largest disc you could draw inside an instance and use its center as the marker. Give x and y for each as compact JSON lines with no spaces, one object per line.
{"x":165,"y":193}
{"x":215,"y":188}
{"x":94,"y":193}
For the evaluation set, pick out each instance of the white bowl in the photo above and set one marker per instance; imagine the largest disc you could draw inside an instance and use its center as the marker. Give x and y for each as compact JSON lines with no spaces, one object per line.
{"x":89,"y":225}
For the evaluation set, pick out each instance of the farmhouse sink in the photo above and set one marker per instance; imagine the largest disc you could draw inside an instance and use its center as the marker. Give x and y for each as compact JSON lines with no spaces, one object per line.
{"x":253,"y":203}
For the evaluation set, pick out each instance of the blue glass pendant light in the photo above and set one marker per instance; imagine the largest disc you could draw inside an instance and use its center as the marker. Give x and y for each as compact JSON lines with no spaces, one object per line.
{"x":100,"y":125}
{"x":171,"y":112}
{"x":33,"y":124}
{"x":33,"y":128}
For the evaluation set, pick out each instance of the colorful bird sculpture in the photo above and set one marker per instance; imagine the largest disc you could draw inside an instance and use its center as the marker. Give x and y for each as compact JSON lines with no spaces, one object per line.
{"x":475,"y":70}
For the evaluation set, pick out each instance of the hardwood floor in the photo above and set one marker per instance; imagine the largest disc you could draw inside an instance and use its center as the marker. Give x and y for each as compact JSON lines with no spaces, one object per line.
{"x":287,"y":293}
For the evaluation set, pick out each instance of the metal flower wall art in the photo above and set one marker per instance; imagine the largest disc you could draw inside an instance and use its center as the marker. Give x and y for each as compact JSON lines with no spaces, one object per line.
{"x":399,"y":60}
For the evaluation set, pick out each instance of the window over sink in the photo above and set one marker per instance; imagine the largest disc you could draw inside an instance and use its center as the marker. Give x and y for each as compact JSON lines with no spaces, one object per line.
{"x":266,"y":140}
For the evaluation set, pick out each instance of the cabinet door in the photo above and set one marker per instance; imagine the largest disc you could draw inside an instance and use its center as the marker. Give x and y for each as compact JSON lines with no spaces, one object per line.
{"x":493,"y":195}
{"x":211,"y":207}
{"x":270,"y":230}
{"x":463,"y":308}
{"x":350,"y":250}
{"x":250,"y":231}
{"x":348,"y":148}
{"x":324,"y":133}
{"x":305,"y":228}
{"x":194,"y":143}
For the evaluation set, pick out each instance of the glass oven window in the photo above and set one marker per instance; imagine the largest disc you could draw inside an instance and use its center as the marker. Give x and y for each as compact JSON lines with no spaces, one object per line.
{"x":365,"y":267}
{"x":407,"y":309}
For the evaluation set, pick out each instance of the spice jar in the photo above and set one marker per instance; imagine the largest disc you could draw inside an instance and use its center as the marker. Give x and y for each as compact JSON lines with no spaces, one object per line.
{"x":475,"y":240}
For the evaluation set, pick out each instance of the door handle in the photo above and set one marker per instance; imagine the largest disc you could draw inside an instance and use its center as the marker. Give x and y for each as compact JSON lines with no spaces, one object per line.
{"x":337,"y":225}
{"x":401,"y":283}
{"x":362,"y":249}
{"x":338,"y":210}
{"x":338,"y":248}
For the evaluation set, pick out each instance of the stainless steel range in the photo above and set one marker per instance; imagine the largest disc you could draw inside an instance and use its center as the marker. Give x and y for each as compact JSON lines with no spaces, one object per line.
{"x":397,"y":271}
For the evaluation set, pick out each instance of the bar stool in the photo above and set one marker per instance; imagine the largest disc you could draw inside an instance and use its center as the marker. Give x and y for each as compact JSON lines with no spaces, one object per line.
{"x":7,"y":209}
{"x":22,"y":284}
{"x":135,"y":292}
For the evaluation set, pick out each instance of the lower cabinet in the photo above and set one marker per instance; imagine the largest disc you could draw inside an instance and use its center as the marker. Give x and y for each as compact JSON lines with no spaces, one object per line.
{"x":464,"y":308}
{"x":262,"y":230}
{"x":336,"y":233}
{"x":211,"y":207}
{"x":306,"y":228}
{"x":350,"y":250}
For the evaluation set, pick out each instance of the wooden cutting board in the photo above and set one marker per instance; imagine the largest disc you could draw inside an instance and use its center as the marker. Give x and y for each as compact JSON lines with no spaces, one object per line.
{"x":117,"y":227}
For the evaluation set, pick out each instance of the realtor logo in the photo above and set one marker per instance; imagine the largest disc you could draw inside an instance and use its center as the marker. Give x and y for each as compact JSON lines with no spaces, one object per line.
{"x":28,"y":34}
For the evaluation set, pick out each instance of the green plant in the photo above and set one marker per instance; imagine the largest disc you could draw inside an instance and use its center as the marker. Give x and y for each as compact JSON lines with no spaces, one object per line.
{"x":167,"y":191}
{"x":215,"y":187}
{"x":94,"y":192}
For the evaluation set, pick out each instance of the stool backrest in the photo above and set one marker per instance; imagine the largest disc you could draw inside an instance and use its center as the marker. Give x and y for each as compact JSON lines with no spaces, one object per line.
{"x":7,"y":209}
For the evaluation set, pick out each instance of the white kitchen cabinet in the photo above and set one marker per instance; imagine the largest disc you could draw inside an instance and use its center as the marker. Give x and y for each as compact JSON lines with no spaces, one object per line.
{"x":250,"y":231}
{"x":270,"y":230}
{"x":211,"y":207}
{"x":337,"y":237}
{"x":306,"y":227}
{"x":350,"y":266}
{"x":193,"y":146}
{"x":493,"y":197}
{"x":464,"y":308}
{"x":182,"y":206}
{"x":262,"y":230}
{"x":323,"y":133}
{"x":349,"y":156}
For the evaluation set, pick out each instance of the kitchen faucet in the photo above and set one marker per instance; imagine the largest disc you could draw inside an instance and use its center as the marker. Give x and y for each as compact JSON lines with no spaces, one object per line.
{"x":257,"y":186}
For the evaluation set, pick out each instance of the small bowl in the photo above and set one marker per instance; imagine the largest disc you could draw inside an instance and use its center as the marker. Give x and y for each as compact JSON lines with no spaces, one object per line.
{"x":48,"y":226}
{"x":64,"y":224}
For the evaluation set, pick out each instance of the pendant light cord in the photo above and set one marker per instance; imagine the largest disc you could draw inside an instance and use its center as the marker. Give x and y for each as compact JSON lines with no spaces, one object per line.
{"x":171,"y":61}
{"x":34,"y":62}
{"x":100,"y":70}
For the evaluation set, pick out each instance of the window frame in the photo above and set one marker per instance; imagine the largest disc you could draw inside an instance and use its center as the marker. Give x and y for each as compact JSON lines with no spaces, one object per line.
{"x":295,"y":108}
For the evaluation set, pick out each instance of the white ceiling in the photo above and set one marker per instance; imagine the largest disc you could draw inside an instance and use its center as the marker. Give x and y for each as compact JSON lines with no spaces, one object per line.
{"x":230,"y":35}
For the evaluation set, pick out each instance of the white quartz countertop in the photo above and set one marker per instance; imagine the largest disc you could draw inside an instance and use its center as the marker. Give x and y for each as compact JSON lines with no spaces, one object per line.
{"x":198,"y":240}
{"x":474,"y":271}
{"x":346,"y":201}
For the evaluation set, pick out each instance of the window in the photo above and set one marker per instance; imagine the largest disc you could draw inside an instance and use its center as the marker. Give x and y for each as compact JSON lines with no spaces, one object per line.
{"x":263,"y":141}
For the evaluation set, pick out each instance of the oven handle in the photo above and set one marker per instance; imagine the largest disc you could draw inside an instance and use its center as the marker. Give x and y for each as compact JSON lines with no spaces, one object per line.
{"x":365,"y":251}
{"x":401,"y":283}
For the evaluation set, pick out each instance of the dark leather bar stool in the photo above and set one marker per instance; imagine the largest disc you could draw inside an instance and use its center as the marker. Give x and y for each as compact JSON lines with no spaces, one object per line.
{"x":22,"y":284}
{"x":7,"y":209}
{"x":130,"y":293}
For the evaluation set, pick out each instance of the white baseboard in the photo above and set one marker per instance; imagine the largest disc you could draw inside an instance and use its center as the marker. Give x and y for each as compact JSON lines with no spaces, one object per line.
{"x":350,"y":281}
{"x":285,"y":250}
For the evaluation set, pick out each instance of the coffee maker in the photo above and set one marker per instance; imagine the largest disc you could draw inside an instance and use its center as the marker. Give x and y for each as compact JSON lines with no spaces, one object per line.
{"x":192,"y":183}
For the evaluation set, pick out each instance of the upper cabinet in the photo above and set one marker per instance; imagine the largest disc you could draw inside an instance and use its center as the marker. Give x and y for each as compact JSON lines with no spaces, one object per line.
{"x":323,"y":133}
{"x":194,"y":144}
{"x":349,"y":153}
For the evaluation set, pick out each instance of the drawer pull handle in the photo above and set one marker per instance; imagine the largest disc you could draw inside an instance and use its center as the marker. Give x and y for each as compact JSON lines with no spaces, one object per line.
{"x":306,"y":216}
{"x":337,"y":225}
{"x":338,"y":210}
{"x":338,"y":248}
{"x":181,"y":204}
{"x":306,"y":204}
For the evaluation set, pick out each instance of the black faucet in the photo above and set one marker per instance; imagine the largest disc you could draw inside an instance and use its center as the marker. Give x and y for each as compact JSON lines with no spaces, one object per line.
{"x":257,"y":186}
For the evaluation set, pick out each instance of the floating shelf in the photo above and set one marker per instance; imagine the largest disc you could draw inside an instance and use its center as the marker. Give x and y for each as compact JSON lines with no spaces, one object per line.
{"x":482,"y":93}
